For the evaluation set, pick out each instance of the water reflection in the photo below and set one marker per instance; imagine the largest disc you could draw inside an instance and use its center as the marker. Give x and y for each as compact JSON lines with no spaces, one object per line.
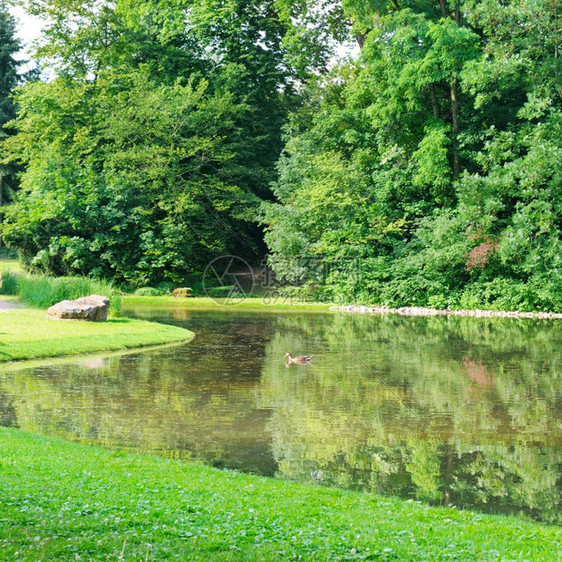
{"x":455,"y":411}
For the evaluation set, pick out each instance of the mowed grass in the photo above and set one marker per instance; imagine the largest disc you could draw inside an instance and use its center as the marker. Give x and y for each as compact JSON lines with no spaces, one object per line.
{"x":257,"y":304}
{"x":10,"y":265}
{"x":63,"y":501}
{"x":26,"y":333}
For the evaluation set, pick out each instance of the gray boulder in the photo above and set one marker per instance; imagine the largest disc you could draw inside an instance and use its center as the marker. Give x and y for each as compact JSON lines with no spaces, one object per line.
{"x":93,"y":308}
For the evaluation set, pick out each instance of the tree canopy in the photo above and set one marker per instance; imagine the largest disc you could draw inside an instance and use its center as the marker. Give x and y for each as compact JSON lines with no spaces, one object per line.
{"x":425,"y":171}
{"x":435,"y":160}
{"x":9,"y":79}
{"x":152,"y":146}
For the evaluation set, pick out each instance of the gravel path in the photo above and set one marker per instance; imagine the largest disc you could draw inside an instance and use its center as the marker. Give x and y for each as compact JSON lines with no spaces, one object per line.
{"x":6,"y":306}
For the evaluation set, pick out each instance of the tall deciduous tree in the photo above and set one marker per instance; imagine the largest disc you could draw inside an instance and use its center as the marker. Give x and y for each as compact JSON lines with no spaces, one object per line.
{"x":435,"y":160}
{"x":9,"y":79}
{"x":123,"y":178}
{"x":163,"y":124}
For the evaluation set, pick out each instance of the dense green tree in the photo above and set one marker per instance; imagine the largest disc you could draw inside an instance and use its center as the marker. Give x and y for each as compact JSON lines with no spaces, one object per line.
{"x":125,"y":184}
{"x":434,"y":160}
{"x":162,"y":124}
{"x":426,"y":172}
{"x":9,"y":79}
{"x":512,"y":201}
{"x":246,"y":41}
{"x":315,"y":29}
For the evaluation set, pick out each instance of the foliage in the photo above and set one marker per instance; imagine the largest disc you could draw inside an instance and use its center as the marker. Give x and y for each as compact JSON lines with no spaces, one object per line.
{"x":314,"y":29}
{"x":224,"y":291}
{"x":150,"y":150}
{"x":127,"y":191}
{"x":428,"y":173}
{"x":149,"y":292}
{"x":9,"y":79}
{"x":425,"y":172}
{"x":7,"y":254}
{"x":9,"y":283}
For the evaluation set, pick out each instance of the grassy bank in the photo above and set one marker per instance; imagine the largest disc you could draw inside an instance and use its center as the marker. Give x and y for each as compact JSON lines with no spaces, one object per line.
{"x":60,"y":500}
{"x":26,"y":333}
{"x":261,"y":304}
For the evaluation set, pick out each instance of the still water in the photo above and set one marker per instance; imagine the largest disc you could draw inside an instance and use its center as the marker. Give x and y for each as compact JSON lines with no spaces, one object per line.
{"x":452,"y":411}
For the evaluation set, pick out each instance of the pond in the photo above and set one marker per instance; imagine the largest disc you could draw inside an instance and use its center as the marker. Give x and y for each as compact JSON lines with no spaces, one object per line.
{"x":451,"y":411}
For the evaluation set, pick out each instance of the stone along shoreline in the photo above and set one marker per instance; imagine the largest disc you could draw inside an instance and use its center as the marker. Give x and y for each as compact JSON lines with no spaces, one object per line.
{"x":423,"y":311}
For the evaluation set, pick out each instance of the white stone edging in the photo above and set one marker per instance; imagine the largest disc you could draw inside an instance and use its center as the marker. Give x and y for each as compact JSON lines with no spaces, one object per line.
{"x":423,"y":311}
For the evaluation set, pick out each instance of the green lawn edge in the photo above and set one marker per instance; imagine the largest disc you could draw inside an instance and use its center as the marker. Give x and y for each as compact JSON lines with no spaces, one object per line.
{"x":250,"y":304}
{"x":62,"y":500}
{"x":10,"y":265}
{"x":27,"y":334}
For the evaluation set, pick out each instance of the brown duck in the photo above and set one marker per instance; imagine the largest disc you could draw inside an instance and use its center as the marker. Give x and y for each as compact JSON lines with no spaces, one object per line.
{"x":299,"y":360}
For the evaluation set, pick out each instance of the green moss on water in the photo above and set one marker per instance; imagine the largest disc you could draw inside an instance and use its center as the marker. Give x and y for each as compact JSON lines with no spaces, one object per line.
{"x":27,"y":333}
{"x":60,"y":500}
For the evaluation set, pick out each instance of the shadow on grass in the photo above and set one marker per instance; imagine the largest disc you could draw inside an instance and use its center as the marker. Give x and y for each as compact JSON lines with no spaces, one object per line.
{"x":4,"y":353}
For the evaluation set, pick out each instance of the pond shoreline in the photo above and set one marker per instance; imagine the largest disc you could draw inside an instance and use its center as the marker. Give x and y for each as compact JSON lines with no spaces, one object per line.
{"x":424,"y":311}
{"x":27,"y":334}
{"x":149,"y":507}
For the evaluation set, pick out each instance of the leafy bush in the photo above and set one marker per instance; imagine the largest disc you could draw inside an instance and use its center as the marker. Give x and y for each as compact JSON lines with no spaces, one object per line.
{"x":539,"y":293}
{"x":197,"y":287}
{"x":223,"y":292}
{"x":8,"y":253}
{"x":9,"y":283}
{"x":166,"y":287}
{"x":149,"y":292}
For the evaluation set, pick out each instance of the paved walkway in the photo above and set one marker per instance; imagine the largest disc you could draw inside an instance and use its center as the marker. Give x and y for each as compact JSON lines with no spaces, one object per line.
{"x":6,"y":306}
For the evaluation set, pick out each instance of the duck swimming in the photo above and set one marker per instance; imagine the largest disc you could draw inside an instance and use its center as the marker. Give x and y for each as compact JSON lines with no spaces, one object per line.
{"x":299,"y":360}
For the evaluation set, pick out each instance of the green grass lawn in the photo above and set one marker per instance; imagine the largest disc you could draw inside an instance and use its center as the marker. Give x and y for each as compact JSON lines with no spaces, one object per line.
{"x":26,"y":333}
{"x":10,"y":265}
{"x":62,"y":501}
{"x":261,"y":304}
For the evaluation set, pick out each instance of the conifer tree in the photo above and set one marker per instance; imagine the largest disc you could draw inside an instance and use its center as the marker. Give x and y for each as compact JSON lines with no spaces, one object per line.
{"x":9,"y":78}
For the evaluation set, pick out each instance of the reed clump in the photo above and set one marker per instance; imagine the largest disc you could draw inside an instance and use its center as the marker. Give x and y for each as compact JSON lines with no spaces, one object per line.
{"x":43,"y":291}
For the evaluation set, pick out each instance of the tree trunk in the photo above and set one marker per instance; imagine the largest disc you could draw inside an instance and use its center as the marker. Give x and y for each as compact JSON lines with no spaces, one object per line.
{"x":434,"y":101}
{"x":458,"y":16}
{"x":360,"y":38}
{"x":455,"y":126}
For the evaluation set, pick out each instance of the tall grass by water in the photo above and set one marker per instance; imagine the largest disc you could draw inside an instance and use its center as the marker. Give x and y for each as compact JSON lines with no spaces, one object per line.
{"x":43,"y":291}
